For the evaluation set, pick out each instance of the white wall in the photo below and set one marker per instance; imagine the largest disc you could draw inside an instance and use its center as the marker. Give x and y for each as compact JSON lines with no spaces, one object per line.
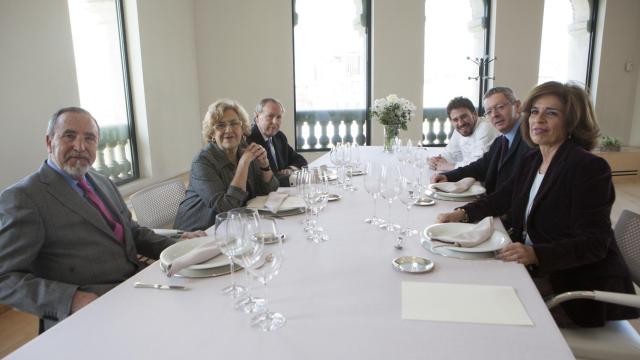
{"x":165,"y":88}
{"x":398,"y":58}
{"x":635,"y":123}
{"x":516,"y":26}
{"x":244,"y":52}
{"x":37,"y":76}
{"x":37,"y":73}
{"x":616,"y":90}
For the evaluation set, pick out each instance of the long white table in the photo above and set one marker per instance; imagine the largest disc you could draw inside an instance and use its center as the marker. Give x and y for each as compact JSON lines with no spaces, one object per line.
{"x":341,"y":299}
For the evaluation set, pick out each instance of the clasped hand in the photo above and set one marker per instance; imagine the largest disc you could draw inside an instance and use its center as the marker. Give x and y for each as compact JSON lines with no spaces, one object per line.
{"x":255,"y":151}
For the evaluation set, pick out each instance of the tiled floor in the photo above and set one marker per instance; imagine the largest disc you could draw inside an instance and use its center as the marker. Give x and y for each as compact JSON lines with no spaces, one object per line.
{"x":17,"y":328}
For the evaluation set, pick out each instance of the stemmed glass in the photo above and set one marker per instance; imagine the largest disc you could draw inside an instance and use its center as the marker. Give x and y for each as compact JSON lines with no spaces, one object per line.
{"x":408,"y":149}
{"x":355,"y":155}
{"x":264,"y":266}
{"x":347,"y":150}
{"x":401,"y":152}
{"x":228,"y":238}
{"x":373,"y":172}
{"x":336,"y":156}
{"x":251,"y":224}
{"x":409,"y":194}
{"x":390,"y":190}
{"x":314,"y":189}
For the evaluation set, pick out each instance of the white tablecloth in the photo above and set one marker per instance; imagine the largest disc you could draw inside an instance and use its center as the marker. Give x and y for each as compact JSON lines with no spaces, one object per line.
{"x":341,"y":299}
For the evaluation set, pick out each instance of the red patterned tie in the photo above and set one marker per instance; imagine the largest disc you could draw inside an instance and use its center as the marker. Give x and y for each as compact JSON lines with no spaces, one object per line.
{"x":117,"y":228}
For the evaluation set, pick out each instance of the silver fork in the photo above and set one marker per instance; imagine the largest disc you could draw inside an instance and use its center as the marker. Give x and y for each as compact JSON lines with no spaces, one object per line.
{"x":159,"y":286}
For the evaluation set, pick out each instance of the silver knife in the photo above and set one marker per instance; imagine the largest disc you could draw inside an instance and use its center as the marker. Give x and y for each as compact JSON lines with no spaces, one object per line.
{"x":159,"y":286}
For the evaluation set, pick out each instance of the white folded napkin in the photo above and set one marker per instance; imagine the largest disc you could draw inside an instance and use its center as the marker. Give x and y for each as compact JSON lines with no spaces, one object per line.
{"x":455,"y":187}
{"x":206,"y":251}
{"x":480,"y":233}
{"x":167,"y":232}
{"x":290,"y":202}
{"x":274,"y":201}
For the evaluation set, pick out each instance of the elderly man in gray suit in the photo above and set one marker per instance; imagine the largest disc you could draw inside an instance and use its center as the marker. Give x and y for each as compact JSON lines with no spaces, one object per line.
{"x":66,"y":235}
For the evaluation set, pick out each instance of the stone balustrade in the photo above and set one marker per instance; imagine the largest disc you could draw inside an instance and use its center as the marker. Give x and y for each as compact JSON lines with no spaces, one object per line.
{"x":114,"y":158}
{"x":319,"y":130}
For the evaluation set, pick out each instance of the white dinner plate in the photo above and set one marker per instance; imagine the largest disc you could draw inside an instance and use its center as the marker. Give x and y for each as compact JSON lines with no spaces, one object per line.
{"x":292,"y":205}
{"x":203,"y":273}
{"x":180,"y":248}
{"x":497,"y":241}
{"x":475,"y":190}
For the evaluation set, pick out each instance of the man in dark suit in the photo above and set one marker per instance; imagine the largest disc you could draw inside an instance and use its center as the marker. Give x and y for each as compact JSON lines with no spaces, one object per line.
{"x":66,"y":235}
{"x":497,"y":165}
{"x":265,"y":131}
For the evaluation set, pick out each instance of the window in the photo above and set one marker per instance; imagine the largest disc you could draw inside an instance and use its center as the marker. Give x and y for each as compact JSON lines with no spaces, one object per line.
{"x":455,"y":64}
{"x":567,"y":38}
{"x":331,"y":70}
{"x":98,"y":36}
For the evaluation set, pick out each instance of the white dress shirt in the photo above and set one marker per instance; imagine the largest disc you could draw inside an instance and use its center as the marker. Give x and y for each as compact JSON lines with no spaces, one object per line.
{"x":463,"y":150}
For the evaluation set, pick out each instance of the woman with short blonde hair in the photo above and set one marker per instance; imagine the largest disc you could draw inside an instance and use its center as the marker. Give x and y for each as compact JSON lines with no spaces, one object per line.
{"x":227,"y":172}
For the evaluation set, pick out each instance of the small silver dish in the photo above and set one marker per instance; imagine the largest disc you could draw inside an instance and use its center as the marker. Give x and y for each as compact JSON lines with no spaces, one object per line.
{"x":412,"y":264}
{"x":270,"y":238}
{"x":333,"y":197}
{"x":425,"y":201}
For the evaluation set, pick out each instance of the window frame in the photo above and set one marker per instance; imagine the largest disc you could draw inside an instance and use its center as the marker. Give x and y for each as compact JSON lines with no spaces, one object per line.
{"x":124,"y":60}
{"x":366,"y":17}
{"x":593,"y":21}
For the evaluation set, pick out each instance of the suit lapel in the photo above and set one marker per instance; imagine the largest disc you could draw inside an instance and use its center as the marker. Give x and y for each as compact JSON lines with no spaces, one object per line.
{"x":551,"y":176}
{"x":106,"y":197}
{"x":69,"y":198}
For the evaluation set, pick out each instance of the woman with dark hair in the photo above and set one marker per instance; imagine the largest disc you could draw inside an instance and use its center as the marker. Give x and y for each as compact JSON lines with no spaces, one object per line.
{"x":227,"y":172}
{"x":560,"y":201}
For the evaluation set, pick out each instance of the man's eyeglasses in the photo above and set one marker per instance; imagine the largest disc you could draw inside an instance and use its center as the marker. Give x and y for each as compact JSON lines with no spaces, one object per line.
{"x":222,"y":126}
{"x":498,"y":108}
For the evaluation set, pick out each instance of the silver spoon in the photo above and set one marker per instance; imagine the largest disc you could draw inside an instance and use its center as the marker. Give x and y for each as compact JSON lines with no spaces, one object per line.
{"x":398,"y":244}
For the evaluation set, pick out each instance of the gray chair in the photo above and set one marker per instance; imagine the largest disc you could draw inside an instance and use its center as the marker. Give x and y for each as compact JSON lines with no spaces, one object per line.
{"x":617,"y":339}
{"x":156,"y":206}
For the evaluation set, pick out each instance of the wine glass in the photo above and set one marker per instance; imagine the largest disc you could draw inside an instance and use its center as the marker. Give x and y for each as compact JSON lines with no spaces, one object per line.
{"x":409,"y":194}
{"x":251,"y":223}
{"x":390,"y":190}
{"x":304,"y":189}
{"x":373,"y":172}
{"x":228,"y":238}
{"x":355,"y":155}
{"x":321,"y":200}
{"x":264,"y":266}
{"x":337,"y":159}
{"x":315,"y":194}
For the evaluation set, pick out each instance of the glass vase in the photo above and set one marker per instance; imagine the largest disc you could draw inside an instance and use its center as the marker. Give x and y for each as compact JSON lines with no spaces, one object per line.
{"x":390,"y":134}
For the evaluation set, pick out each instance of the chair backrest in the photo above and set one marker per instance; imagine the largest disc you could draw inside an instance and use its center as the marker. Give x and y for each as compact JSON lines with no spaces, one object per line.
{"x":627,"y":232}
{"x":157,"y":205}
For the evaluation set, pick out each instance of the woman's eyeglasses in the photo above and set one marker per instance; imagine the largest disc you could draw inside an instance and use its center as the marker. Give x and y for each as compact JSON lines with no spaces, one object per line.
{"x":222,"y":126}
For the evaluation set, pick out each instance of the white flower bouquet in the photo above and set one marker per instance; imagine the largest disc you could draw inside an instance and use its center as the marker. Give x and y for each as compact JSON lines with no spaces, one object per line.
{"x":394,"y":113}
{"x":393,"y":110}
